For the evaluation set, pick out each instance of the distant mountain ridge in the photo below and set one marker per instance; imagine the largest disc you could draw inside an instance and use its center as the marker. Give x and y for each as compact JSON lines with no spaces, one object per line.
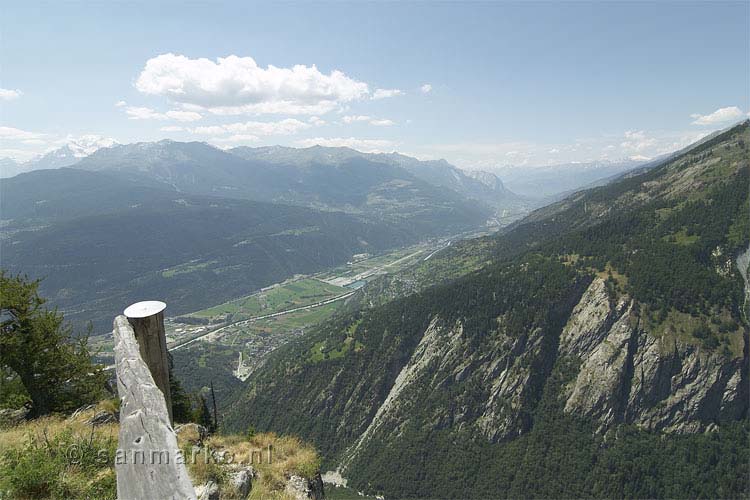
{"x":354,"y":184}
{"x":548,"y":182}
{"x":485,"y":186}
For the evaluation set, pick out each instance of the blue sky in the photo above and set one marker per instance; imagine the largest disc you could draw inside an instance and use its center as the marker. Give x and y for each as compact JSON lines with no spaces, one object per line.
{"x":481,"y":84}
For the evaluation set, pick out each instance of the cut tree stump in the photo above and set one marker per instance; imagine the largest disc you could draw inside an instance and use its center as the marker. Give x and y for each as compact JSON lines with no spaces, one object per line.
{"x":147,"y":320}
{"x":148,"y":462}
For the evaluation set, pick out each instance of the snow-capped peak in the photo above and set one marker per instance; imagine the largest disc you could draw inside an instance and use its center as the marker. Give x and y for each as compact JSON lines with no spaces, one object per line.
{"x":84,"y":145}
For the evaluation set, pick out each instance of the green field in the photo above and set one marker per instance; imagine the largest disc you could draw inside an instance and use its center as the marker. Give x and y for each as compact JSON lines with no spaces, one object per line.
{"x":279,"y":298}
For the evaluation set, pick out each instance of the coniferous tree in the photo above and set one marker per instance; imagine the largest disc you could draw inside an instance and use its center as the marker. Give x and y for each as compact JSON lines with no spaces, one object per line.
{"x":55,"y":369}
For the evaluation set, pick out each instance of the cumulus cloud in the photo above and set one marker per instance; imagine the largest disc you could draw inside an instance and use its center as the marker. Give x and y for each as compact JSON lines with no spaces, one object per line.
{"x":385,"y":93}
{"x":172,"y":128}
{"x":426,"y":88}
{"x":364,"y":118}
{"x":355,"y":118}
{"x":142,"y":113}
{"x":364,"y":145}
{"x":721,"y":115}
{"x":237,"y":85}
{"x":287,"y":126}
{"x":9,"y":94}
{"x":120,"y":104}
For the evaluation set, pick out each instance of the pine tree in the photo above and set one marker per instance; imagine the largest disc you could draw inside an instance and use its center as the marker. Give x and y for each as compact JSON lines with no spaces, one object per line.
{"x":55,"y":369}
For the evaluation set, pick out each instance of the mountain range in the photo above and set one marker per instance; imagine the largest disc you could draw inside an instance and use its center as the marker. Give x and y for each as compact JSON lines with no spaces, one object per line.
{"x":597,"y":348}
{"x":237,"y":221}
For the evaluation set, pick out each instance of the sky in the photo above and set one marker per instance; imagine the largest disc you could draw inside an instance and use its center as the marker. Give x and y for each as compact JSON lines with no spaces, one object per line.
{"x":479,"y":84}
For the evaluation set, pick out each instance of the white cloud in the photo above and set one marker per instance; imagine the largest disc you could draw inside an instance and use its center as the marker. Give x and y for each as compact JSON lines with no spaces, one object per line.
{"x":9,"y":94}
{"x":142,"y":113}
{"x":355,"y":118}
{"x":120,"y":104}
{"x":364,"y":118}
{"x":382,"y":123}
{"x":210,"y":130}
{"x":288,"y":126}
{"x":364,"y":145}
{"x":237,"y":85}
{"x":721,"y":115}
{"x":183,"y":116}
{"x":11,"y":133}
{"x":385,"y":93}
{"x":636,"y":140}
{"x":315,"y":120}
{"x":426,"y":88}
{"x":172,"y":128}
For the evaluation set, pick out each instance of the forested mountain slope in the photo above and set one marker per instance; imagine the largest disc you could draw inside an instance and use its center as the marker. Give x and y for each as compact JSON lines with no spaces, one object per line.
{"x":101,"y":242}
{"x":608,"y":326}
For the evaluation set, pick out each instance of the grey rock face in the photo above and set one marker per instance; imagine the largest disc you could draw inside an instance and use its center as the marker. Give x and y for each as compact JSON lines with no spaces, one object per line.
{"x":626,"y":374}
{"x":629,"y":375}
{"x":300,"y":488}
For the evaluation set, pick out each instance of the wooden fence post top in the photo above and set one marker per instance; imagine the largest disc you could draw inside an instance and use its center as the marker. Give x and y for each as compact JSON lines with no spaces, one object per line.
{"x":144,"y":309}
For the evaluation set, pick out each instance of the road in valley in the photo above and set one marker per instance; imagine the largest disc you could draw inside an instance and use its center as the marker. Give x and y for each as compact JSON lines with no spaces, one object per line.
{"x":175,"y":347}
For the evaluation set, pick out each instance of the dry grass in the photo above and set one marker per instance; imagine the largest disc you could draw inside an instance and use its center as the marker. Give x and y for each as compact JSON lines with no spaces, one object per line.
{"x":275,"y":458}
{"x":35,"y":460}
{"x":51,"y":427}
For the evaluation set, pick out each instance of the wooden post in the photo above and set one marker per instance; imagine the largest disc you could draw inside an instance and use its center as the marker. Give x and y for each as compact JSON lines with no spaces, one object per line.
{"x":147,"y":320}
{"x":149,"y":462}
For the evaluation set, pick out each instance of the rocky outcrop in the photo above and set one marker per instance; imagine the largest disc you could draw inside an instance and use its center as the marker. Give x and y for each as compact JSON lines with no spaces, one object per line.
{"x":242,"y":481}
{"x":300,"y":488}
{"x":503,"y":379}
{"x":628,"y":374}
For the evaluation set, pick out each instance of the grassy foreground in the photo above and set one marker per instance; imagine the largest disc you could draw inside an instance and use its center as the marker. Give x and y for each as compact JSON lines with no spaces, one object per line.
{"x":61,"y":458}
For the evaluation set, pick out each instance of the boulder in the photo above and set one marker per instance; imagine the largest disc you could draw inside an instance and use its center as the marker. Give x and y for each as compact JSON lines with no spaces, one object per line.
{"x":242,"y":481}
